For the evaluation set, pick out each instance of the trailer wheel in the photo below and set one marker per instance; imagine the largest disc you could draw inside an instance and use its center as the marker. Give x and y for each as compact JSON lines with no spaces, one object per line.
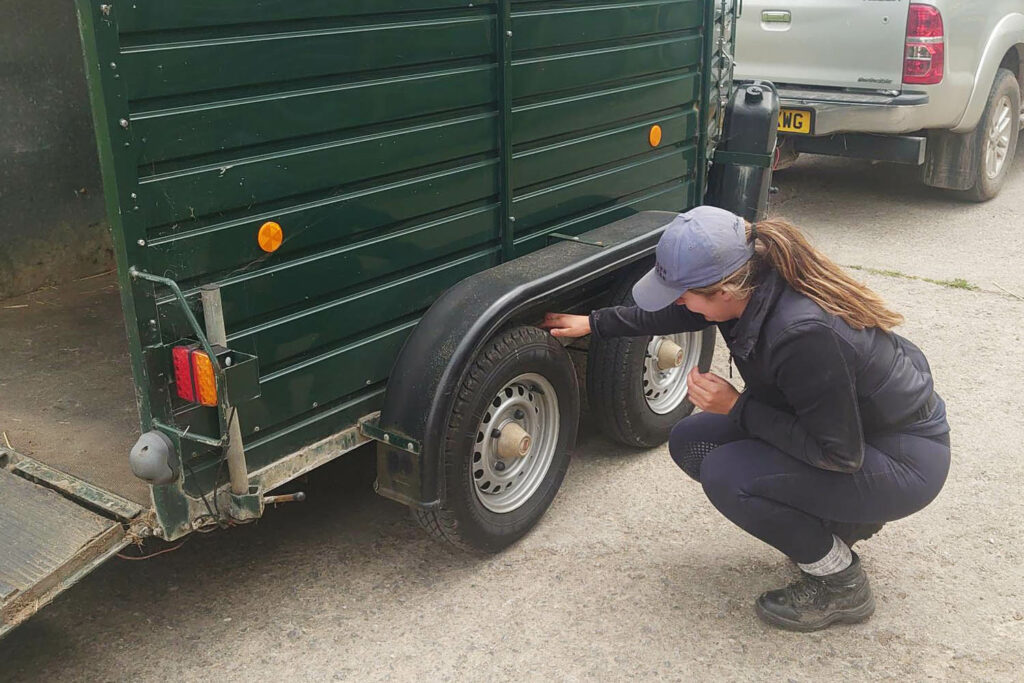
{"x":996,"y":137}
{"x":634,"y":388}
{"x":507,"y":444}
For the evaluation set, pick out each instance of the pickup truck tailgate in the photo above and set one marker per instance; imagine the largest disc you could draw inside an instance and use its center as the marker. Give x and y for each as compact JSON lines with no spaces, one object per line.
{"x":47,"y":543}
{"x":839,"y":43}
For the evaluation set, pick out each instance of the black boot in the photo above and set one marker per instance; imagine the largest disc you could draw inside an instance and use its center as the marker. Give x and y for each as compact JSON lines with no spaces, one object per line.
{"x":816,"y":602}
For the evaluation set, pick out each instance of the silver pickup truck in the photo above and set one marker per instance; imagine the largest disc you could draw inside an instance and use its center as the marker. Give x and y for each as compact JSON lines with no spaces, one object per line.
{"x":936,"y":83}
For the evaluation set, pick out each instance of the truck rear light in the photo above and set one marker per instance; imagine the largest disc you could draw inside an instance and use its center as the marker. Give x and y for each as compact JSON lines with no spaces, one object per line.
{"x":183,"y":373}
{"x":206,"y":384}
{"x":924,"y":59}
{"x":194,"y":378}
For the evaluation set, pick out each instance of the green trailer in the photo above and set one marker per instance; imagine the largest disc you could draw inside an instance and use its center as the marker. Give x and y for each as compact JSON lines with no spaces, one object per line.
{"x":338,"y":224}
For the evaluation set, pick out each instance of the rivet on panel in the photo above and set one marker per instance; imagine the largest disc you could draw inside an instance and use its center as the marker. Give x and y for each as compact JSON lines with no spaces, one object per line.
{"x":123,"y":123}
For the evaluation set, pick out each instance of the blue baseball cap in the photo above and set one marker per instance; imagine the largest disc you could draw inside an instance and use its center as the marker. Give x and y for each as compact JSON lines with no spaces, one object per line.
{"x":698,"y":248}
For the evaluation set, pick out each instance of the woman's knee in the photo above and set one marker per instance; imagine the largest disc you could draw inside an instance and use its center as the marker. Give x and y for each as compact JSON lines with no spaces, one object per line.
{"x":693,"y":438}
{"x":722,"y":476}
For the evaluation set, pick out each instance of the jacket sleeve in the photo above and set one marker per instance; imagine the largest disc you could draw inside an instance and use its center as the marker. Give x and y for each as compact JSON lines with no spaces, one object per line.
{"x":815,"y":376}
{"x":633,"y":321}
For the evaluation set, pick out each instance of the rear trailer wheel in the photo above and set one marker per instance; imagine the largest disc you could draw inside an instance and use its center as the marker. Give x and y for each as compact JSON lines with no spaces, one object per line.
{"x":996,"y":137}
{"x":507,"y":445}
{"x":636,"y":386}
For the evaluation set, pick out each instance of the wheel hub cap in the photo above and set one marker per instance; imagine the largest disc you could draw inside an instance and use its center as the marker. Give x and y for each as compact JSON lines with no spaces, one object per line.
{"x":666,"y":368}
{"x":515,"y":443}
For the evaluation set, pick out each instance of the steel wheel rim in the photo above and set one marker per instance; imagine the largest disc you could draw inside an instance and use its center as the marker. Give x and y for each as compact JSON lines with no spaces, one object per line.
{"x":530,"y":401}
{"x":997,"y":140}
{"x":665,"y":390}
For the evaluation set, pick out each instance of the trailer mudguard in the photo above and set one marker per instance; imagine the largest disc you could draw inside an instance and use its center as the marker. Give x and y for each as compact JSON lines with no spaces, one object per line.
{"x":432,"y":363}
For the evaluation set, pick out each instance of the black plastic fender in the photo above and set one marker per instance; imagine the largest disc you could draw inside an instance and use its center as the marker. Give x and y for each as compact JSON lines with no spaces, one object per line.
{"x":432,"y":363}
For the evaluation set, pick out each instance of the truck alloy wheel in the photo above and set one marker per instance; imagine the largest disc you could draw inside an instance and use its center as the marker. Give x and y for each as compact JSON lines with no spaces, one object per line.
{"x":636,"y":386}
{"x":996,"y":137}
{"x":508,"y":439}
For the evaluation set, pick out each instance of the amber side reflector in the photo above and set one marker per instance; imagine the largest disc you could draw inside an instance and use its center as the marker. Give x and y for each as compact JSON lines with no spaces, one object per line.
{"x":270,"y":236}
{"x":206,"y":383}
{"x":654,"y":136}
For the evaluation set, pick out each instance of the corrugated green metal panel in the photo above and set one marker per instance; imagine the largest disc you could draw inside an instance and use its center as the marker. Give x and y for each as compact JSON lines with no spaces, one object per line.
{"x":539,"y":207}
{"x":157,"y":15}
{"x":373,"y":132}
{"x":576,"y":154}
{"x":588,"y":82}
{"x":239,"y":58}
{"x":674,"y":193}
{"x":605,"y":107}
{"x":261,"y":291}
{"x":547,"y":24}
{"x":588,"y":68}
{"x":210,"y":127}
{"x":247,"y":181}
{"x":196,"y":251}
{"x":291,"y":337}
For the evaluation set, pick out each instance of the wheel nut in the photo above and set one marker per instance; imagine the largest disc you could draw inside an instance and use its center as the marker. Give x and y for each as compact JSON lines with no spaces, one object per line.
{"x":519,"y":414}
{"x":499,"y":466}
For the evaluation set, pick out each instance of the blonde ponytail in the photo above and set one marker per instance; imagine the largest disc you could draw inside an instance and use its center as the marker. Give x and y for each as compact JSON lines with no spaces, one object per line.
{"x":782,"y":246}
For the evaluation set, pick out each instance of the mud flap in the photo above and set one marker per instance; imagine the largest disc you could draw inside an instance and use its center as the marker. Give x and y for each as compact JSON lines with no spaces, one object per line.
{"x":47,"y":543}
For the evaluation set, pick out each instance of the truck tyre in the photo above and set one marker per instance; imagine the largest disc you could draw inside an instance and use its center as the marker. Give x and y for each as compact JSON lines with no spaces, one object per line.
{"x":506,"y":448}
{"x":635,"y":401}
{"x":996,"y":137}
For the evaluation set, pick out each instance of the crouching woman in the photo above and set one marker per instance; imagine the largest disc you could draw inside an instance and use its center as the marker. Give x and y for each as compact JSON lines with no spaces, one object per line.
{"x":839,"y":429}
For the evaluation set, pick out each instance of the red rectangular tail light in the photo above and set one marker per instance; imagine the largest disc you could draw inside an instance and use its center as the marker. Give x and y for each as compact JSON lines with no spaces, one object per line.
{"x":924,"y":58}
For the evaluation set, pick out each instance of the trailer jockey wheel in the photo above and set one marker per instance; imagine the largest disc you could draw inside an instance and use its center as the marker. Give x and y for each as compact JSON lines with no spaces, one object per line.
{"x":507,"y":443}
{"x":636,"y":386}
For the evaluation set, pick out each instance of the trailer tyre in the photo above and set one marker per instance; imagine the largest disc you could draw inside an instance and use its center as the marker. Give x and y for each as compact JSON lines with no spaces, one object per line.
{"x":996,"y":137}
{"x":634,"y":400}
{"x":506,"y":448}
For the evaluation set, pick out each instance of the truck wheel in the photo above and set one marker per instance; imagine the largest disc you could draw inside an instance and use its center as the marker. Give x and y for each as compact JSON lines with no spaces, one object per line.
{"x":996,"y":137}
{"x":634,"y":388}
{"x":507,"y":445}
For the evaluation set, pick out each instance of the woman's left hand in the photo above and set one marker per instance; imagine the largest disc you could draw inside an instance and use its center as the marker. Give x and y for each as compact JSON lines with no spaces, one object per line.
{"x":711,"y":393}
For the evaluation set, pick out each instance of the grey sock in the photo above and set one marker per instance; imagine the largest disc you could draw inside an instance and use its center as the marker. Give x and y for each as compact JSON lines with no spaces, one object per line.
{"x":836,"y":560}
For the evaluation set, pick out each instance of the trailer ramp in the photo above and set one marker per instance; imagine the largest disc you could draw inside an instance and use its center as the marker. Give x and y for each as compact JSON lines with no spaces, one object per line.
{"x":48,"y":541}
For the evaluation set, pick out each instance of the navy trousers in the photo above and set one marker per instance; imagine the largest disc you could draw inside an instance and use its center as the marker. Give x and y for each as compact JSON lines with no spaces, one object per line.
{"x":793,"y":506}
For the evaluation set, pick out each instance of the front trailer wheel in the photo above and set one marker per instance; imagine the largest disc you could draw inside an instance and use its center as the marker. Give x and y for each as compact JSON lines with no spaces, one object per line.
{"x":507,"y":445}
{"x":636,"y":386}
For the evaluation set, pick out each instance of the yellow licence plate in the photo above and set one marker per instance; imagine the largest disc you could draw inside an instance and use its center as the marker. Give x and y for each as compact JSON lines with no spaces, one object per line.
{"x":796,"y":121}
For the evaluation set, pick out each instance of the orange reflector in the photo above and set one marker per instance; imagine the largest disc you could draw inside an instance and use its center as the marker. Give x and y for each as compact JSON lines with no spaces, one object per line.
{"x":654,"y":137}
{"x":206,"y":383}
{"x":270,"y":236}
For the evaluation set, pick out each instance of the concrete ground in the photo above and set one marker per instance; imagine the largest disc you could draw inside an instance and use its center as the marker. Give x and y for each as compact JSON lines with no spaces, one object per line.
{"x":631,"y":574}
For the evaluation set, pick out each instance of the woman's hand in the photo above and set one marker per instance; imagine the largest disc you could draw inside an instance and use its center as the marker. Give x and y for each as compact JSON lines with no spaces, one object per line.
{"x":566,"y":325}
{"x":711,"y":393}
